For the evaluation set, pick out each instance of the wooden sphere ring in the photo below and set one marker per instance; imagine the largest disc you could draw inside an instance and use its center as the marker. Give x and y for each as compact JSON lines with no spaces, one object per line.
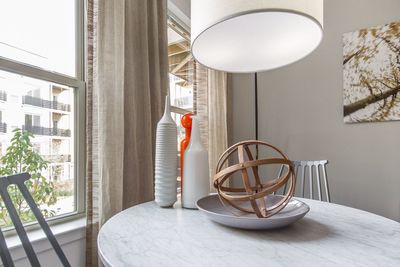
{"x":253,"y":192}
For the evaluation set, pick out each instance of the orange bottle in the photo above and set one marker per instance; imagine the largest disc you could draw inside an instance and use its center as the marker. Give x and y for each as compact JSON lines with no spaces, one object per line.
{"x":186,"y":122}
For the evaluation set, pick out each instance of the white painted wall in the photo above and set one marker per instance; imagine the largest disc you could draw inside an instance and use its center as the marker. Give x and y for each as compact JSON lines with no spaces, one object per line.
{"x":301,"y":111}
{"x":75,"y":252}
{"x":70,"y":236}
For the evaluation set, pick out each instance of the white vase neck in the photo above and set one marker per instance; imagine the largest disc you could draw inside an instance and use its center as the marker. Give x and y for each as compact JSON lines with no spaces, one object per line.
{"x":167,"y":108}
{"x":195,"y":134}
{"x":166,"y":118}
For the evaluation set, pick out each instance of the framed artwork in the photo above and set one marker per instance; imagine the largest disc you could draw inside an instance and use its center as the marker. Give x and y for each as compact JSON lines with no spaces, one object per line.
{"x":371,"y":74}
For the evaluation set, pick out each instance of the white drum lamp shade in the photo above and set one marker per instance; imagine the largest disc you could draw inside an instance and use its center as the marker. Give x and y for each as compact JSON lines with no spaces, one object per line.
{"x":254,"y":35}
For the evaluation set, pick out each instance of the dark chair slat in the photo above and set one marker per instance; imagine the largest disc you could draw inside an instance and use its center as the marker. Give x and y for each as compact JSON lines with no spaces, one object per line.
{"x":4,"y":252}
{"x":30,"y":253}
{"x":46,"y":229}
{"x":19,"y":181}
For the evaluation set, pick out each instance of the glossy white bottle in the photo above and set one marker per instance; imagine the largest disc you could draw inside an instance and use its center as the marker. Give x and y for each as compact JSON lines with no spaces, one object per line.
{"x":195,"y":172}
{"x":166,"y":164}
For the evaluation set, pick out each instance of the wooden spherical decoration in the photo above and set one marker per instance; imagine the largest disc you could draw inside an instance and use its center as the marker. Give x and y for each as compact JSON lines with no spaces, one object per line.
{"x":254,"y":190}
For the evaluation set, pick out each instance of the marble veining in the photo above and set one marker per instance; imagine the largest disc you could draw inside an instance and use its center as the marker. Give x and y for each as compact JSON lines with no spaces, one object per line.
{"x":329,"y":235}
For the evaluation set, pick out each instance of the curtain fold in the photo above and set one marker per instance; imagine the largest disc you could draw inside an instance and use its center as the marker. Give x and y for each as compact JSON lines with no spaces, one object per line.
{"x":217,"y":118}
{"x":211,"y":98}
{"x":127,"y":83}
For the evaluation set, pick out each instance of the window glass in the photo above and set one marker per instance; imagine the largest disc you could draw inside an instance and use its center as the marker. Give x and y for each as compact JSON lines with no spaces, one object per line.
{"x":180,"y":73}
{"x":28,"y":120}
{"x":180,"y":67}
{"x":36,"y":120}
{"x":39,"y":33}
{"x":52,"y":124}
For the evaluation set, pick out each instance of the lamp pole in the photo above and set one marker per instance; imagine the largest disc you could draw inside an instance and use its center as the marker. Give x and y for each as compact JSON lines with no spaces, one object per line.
{"x":256,"y":109}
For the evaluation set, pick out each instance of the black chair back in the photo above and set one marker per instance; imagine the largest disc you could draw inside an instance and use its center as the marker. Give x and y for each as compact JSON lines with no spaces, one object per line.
{"x":19,"y":181}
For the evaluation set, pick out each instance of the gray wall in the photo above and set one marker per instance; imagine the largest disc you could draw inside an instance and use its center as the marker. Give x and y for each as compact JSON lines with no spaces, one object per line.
{"x":301,"y":112}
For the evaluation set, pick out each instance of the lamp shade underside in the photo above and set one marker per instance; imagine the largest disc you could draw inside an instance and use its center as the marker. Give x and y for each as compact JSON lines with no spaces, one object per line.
{"x":257,"y":41}
{"x":257,"y":35}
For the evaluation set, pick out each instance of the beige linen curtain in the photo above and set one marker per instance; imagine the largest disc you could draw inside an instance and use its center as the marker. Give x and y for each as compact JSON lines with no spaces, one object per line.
{"x":127,"y":83}
{"x":211,"y":100}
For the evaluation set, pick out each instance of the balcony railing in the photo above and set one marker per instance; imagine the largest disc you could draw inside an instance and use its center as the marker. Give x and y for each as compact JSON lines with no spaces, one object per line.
{"x":3,"y":127}
{"x":47,"y":131}
{"x":39,"y":102}
{"x":57,"y":158}
{"x":3,"y":95}
{"x":183,"y":101}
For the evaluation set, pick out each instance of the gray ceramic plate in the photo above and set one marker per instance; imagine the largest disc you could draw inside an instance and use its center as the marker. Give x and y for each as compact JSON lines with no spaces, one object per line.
{"x":216,"y":211}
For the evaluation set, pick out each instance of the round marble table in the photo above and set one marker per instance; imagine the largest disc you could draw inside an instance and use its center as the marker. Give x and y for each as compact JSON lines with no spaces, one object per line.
{"x":329,"y":235}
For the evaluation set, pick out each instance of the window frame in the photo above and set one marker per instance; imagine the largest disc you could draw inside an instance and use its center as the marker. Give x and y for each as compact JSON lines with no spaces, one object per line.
{"x":78,"y":83}
{"x":182,"y":27}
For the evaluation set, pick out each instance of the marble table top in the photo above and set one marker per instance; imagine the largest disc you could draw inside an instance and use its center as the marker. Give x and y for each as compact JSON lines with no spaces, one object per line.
{"x":329,"y":235}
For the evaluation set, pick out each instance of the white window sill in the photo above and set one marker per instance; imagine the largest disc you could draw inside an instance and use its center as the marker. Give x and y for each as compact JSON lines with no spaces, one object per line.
{"x":65,"y":233}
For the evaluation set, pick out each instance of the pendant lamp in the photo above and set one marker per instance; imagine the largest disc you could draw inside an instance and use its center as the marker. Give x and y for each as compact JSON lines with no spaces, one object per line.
{"x":243,"y":36}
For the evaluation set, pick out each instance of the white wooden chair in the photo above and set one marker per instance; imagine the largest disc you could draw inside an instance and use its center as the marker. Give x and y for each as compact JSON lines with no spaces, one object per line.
{"x":308,"y":174}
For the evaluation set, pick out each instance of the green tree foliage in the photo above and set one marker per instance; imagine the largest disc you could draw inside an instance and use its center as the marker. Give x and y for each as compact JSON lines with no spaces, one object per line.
{"x":21,"y":157}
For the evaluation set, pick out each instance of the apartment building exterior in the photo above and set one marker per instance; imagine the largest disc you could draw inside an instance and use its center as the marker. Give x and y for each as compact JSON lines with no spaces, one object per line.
{"x":46,"y":110}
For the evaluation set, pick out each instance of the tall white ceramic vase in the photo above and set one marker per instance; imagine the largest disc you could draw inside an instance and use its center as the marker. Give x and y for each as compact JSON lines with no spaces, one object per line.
{"x":195,"y":171}
{"x":166,"y":165}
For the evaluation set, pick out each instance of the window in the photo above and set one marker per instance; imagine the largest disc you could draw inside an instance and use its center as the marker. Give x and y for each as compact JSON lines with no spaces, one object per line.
{"x":34,"y":93}
{"x":42,"y":72}
{"x":3,"y":125}
{"x":32,"y":120}
{"x":180,"y":74}
{"x":39,"y":33}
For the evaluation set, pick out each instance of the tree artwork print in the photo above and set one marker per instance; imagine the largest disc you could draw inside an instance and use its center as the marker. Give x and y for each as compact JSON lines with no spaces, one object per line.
{"x":371,"y":74}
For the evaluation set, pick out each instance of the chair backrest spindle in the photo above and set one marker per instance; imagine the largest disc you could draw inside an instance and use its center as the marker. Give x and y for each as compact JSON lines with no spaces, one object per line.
{"x":302,"y":165}
{"x":318,"y":167}
{"x":4,"y":252}
{"x":328,"y":197}
{"x":19,"y":181}
{"x":30,"y":253}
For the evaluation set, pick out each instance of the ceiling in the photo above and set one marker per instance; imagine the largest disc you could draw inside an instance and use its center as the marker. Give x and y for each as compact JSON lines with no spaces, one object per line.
{"x":182,"y":5}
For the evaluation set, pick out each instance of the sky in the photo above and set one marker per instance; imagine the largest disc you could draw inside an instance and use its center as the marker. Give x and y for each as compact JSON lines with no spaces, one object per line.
{"x":40,"y":33}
